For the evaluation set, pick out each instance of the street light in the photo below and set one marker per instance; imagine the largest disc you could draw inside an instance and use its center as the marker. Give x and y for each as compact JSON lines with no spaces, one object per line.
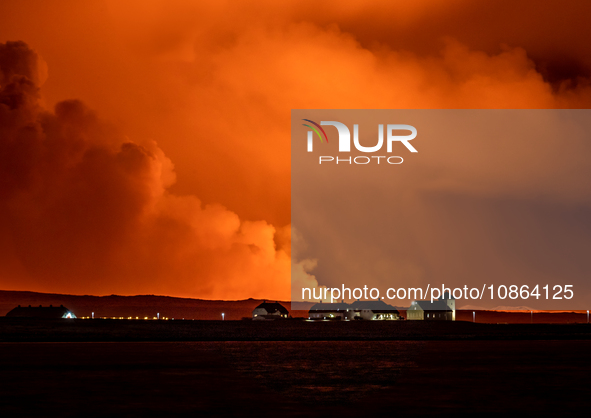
{"x":223,"y":314}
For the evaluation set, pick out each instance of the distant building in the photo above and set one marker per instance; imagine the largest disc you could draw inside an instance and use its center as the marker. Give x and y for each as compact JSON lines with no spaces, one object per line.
{"x":269,"y":310}
{"x":443,"y":309}
{"x":47,"y":312}
{"x":374,"y":310}
{"x":331,"y":311}
{"x":368,"y":310}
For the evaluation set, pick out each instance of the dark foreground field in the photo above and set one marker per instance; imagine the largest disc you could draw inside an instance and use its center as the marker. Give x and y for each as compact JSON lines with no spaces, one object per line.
{"x":70,"y":330}
{"x":292,"y":369}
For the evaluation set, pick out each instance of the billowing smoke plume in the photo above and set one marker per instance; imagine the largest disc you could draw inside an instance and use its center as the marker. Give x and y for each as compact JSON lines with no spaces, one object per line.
{"x":84,"y":208}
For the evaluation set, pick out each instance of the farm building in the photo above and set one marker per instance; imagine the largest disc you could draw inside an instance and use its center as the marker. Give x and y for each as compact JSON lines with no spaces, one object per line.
{"x":269,"y":310}
{"x":438,"y":310}
{"x":335,"y":311}
{"x":374,"y":310}
{"x":369,"y":310}
{"x":44,"y":312}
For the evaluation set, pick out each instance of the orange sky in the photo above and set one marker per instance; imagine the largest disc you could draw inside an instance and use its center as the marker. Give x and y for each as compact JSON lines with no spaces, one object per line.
{"x":170,"y":172}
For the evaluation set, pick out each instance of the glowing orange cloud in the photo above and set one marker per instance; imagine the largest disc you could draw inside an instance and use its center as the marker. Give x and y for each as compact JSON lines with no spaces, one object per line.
{"x":185,"y":190}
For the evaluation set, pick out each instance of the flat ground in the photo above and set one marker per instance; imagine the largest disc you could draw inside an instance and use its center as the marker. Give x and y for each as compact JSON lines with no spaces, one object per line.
{"x":21,"y":330}
{"x":245,"y":369}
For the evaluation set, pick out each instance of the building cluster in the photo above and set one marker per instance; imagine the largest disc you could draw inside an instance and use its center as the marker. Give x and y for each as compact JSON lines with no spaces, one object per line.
{"x":443,"y":309}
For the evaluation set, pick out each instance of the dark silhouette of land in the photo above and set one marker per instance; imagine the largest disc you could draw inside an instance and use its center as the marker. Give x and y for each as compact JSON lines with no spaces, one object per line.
{"x":136,"y":306}
{"x":292,"y":367}
{"x":142,"y":306}
{"x":72,"y":330}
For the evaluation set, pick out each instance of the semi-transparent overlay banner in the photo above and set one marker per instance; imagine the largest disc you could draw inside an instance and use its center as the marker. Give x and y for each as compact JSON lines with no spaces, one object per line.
{"x":470,"y":209}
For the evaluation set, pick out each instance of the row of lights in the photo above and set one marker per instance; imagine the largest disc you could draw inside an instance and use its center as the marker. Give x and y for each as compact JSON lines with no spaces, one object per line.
{"x":138,"y":318}
{"x":129,"y":317}
{"x":145,"y":318}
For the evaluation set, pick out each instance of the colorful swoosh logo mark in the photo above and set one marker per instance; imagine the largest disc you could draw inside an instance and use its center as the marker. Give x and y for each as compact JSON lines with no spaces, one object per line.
{"x":316,"y":130}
